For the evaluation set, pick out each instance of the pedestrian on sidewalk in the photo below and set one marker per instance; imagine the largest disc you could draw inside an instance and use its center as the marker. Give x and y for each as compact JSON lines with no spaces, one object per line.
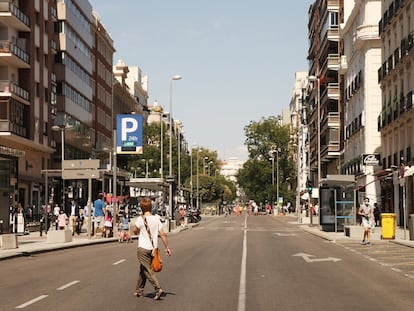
{"x":182,"y":215}
{"x":98,"y":214}
{"x":377,"y":215}
{"x":108,"y":224}
{"x":268,"y":208}
{"x":367,"y":214}
{"x":149,"y":228}
{"x":87,"y":219}
{"x":62,"y":220}
{"x":56,"y":213}
{"x":73,"y":212}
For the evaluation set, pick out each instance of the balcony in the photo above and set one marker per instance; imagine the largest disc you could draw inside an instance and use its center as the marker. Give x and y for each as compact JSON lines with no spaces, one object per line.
{"x":13,"y":17}
{"x":343,"y":66}
{"x":334,"y":119}
{"x":366,"y":33}
{"x":11,"y":54}
{"x":8,"y":88}
{"x":333,"y":61}
{"x":8,"y":126}
{"x":333,"y":5}
{"x":332,"y":91}
{"x":14,"y":117}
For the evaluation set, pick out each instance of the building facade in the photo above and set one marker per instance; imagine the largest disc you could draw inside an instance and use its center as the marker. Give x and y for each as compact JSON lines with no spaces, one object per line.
{"x":299,"y":130}
{"x":361,"y":95}
{"x":323,"y":105}
{"x":27,"y":101}
{"x":395,"y":121}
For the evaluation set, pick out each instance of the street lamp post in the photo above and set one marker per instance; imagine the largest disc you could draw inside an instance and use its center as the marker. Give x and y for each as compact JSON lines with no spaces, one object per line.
{"x":179,"y":160}
{"x":62,"y":130}
{"x":161,"y":145}
{"x":277,"y":177}
{"x":170,"y":203}
{"x":191,"y":178}
{"x":146,"y":166}
{"x":318,"y":103}
{"x":272,"y":158}
{"x":197,"y":192}
{"x":318,"y":81}
{"x":272,"y":154}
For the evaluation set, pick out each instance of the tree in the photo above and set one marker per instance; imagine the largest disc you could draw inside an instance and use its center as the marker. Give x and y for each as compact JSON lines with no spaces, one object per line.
{"x":212,"y":188}
{"x":256,"y":176}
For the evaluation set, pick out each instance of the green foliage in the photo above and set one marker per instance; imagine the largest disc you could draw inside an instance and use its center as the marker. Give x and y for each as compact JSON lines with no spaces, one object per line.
{"x":270,"y":160}
{"x":198,"y":161}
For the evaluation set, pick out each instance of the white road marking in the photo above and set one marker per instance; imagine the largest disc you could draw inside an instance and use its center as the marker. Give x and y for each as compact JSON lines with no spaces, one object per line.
{"x":118,"y":262}
{"x":242,"y":289}
{"x":67,"y":285}
{"x":308,"y":258}
{"x":284,"y":234}
{"x":30,"y":302}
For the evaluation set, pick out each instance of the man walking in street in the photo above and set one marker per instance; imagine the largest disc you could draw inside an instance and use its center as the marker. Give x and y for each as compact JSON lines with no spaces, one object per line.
{"x":367,"y":215}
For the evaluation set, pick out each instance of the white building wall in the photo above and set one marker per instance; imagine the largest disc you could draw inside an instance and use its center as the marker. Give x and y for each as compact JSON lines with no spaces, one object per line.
{"x":362,"y":48}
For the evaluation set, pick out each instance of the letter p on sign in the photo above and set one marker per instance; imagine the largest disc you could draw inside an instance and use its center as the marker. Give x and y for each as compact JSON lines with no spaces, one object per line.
{"x":128,"y":125}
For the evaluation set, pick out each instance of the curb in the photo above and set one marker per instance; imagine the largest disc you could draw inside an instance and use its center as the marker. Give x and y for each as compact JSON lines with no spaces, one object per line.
{"x":86,"y":242}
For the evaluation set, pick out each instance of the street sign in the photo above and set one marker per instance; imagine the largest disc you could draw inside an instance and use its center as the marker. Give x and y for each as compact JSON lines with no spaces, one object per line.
{"x":80,"y":174}
{"x":80,"y":164}
{"x":129,"y":129}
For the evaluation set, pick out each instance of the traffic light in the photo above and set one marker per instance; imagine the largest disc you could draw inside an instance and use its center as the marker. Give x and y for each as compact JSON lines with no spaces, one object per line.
{"x":309,"y":185}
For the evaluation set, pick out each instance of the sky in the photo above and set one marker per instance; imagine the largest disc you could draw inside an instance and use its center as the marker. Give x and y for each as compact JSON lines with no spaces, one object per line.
{"x":237,"y":59}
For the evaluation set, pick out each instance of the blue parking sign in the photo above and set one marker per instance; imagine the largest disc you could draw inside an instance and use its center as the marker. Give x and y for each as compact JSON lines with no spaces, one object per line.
{"x":129,"y":133}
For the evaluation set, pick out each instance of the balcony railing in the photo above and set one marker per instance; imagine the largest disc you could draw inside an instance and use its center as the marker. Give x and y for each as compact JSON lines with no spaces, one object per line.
{"x":367,"y":32}
{"x":10,"y":87}
{"x":334,"y":61}
{"x":9,"y":7}
{"x":332,"y":91}
{"x":334,"y":119}
{"x":333,"y":4}
{"x":7,"y":46}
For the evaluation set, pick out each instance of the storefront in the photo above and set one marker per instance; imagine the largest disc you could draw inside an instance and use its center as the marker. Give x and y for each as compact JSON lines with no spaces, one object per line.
{"x":8,"y":185}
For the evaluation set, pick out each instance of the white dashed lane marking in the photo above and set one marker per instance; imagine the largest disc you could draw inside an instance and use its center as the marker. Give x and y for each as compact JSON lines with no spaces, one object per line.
{"x":67,"y":285}
{"x":30,"y":302}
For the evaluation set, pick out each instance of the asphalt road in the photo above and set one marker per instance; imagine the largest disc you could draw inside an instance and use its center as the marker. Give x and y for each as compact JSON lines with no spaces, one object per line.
{"x":234,"y":263}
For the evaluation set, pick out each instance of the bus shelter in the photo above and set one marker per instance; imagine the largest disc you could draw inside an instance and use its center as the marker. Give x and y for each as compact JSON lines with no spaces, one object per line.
{"x":337,"y":207}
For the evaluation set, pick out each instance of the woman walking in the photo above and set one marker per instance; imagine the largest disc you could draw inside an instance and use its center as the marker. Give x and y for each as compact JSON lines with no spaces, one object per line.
{"x":149,"y":228}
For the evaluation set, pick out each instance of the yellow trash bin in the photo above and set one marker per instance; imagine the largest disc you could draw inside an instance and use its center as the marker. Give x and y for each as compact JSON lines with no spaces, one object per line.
{"x":388,"y":225}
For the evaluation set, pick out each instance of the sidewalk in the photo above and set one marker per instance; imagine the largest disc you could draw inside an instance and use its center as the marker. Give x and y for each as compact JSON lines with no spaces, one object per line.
{"x":33,"y":243}
{"x":335,"y":236}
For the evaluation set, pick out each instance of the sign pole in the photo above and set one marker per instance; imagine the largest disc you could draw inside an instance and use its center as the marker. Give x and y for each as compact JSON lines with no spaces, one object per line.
{"x":89,"y":207}
{"x":114,"y":204}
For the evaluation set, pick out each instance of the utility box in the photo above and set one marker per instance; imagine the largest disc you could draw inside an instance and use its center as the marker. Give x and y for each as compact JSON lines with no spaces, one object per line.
{"x":8,"y":241}
{"x":59,"y":236}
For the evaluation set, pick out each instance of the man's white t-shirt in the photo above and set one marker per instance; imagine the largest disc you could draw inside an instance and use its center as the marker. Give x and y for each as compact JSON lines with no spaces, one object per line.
{"x":154,"y":225}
